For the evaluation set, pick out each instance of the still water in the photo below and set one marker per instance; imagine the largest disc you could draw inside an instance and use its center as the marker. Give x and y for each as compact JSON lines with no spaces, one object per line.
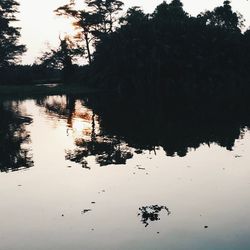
{"x":68,"y":182}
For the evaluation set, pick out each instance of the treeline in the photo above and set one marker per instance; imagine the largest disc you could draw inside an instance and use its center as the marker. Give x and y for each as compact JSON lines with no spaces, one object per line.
{"x":29,"y":74}
{"x":11,"y":71}
{"x":167,"y":53}
{"x":170,"y":53}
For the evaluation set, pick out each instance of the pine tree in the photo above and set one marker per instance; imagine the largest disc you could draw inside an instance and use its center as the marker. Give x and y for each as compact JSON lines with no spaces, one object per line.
{"x":10,"y":49}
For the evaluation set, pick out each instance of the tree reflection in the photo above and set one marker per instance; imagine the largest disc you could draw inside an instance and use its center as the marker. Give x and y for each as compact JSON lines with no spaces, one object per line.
{"x":177,"y":128}
{"x":112,"y":129}
{"x":14,"y":152}
{"x":107,"y":151}
{"x":88,"y":138}
{"x":57,"y":105}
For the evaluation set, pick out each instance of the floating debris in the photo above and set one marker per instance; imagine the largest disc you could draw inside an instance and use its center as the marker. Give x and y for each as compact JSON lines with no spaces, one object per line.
{"x":206,"y":227}
{"x":93,"y":202}
{"x":141,"y":168}
{"x":151,"y":213}
{"x":238,"y":156}
{"x":85,"y":165}
{"x":84,"y":211}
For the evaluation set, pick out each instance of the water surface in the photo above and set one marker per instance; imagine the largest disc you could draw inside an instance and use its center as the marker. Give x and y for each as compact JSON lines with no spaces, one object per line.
{"x":70,"y":180}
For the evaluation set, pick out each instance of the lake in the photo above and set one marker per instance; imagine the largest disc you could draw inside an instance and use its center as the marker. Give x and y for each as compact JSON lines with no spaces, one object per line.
{"x":76,"y":174}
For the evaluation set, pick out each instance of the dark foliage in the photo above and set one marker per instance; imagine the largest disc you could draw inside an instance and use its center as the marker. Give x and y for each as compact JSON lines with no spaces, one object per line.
{"x":14,"y":138}
{"x":170,"y":54}
{"x":61,"y":59}
{"x":29,"y":74}
{"x":10,"y":49}
{"x":96,"y":20}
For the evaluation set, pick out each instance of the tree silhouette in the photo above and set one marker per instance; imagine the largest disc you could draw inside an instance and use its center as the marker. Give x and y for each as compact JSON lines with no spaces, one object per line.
{"x":107,"y":11}
{"x":224,"y":17}
{"x":10,"y":49}
{"x":172,"y":12}
{"x":96,"y":19}
{"x":168,"y":54}
{"x":62,"y":57}
{"x":84,"y":23}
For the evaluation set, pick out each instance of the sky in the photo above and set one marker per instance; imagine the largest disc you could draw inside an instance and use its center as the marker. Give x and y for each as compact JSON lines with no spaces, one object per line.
{"x":41,"y":26}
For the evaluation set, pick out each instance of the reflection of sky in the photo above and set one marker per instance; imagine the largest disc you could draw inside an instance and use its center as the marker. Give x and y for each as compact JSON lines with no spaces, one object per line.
{"x":40,"y":25}
{"x":208,"y":187}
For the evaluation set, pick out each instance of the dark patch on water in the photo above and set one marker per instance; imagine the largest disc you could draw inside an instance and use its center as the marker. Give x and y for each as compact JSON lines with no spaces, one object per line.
{"x":140,"y":168}
{"x":84,"y":211}
{"x":151,"y":213}
{"x":238,"y":156}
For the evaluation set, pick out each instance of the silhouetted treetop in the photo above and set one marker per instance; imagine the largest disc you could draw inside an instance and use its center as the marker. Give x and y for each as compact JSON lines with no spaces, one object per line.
{"x":107,"y":11}
{"x":134,"y":16}
{"x":165,"y":54}
{"x":172,"y":12}
{"x":96,"y":19}
{"x":62,"y":57}
{"x":224,"y":17}
{"x":10,"y":49}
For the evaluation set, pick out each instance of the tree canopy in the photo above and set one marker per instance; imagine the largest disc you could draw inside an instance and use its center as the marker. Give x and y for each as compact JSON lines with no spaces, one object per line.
{"x":170,"y":53}
{"x":224,"y":17}
{"x":96,"y":19}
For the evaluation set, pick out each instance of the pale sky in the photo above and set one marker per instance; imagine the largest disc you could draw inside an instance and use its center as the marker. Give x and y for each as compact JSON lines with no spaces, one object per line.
{"x":40,"y":25}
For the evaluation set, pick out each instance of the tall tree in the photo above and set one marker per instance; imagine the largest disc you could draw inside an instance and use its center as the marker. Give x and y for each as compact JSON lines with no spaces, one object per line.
{"x":84,"y":22}
{"x":223,"y":17}
{"x":10,"y":49}
{"x":107,"y":11}
{"x":134,"y":16}
{"x":95,"y":19}
{"x":62,"y":57}
{"x":170,"y":13}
